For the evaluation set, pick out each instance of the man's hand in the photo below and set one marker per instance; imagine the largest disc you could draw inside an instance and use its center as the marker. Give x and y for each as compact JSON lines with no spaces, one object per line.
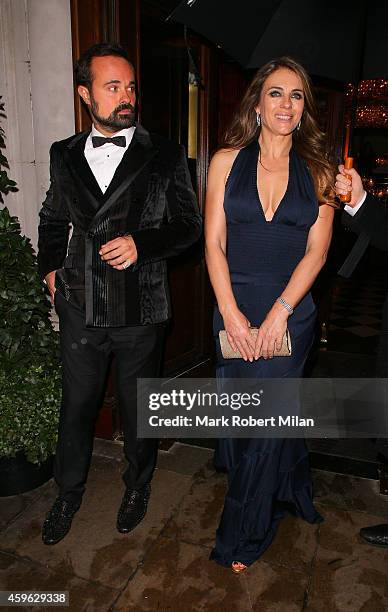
{"x":50,"y":282}
{"x":343,"y":185}
{"x":119,"y":253}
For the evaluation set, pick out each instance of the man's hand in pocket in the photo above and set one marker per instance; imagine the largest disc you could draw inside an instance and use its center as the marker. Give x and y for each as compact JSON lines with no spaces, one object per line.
{"x":50,"y":281}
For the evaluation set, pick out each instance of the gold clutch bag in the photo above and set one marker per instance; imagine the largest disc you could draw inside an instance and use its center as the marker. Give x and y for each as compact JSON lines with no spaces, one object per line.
{"x":229,"y":353}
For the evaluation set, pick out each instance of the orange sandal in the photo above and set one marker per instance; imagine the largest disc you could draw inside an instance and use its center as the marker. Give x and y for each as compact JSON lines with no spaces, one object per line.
{"x":238,"y":568}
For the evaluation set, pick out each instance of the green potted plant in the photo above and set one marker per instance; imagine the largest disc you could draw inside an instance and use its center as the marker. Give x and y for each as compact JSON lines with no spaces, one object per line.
{"x":30,"y":387}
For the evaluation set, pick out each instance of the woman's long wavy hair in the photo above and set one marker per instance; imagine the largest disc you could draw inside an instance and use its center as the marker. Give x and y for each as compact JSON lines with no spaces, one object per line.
{"x":309,"y":141}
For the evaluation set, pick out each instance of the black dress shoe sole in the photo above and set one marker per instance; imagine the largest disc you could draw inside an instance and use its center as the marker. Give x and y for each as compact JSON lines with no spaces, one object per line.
{"x":48,"y":528}
{"x":126,"y":530}
{"x":52,"y":542}
{"x":373,"y":544}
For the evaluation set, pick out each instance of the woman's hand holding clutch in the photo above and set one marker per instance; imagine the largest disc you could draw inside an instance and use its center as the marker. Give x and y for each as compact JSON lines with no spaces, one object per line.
{"x":237,"y":328}
{"x":271,"y":332}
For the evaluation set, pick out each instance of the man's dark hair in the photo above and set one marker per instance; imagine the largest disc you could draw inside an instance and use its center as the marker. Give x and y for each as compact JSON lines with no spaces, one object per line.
{"x":82,"y":69}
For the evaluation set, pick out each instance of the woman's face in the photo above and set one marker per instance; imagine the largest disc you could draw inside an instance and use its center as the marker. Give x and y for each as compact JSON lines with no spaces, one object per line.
{"x":281,"y":102}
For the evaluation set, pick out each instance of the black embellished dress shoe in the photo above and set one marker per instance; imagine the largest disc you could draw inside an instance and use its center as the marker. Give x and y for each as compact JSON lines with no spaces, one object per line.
{"x":376,"y":535}
{"x":133,"y":508}
{"x":58,"y":521}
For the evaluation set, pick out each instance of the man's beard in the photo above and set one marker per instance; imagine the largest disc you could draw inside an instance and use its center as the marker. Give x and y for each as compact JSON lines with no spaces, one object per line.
{"x":114,"y":122}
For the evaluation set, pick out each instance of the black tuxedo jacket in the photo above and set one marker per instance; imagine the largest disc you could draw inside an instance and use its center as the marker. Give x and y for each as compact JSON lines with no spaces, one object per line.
{"x":371,"y":225}
{"x":150,"y":197}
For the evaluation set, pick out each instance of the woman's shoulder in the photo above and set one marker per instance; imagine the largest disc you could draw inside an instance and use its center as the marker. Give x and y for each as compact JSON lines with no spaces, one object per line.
{"x":222,"y":162}
{"x":225,"y":156}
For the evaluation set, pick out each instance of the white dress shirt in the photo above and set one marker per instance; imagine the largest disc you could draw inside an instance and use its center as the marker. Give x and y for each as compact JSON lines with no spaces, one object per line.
{"x":352,"y":210}
{"x":103,"y":161}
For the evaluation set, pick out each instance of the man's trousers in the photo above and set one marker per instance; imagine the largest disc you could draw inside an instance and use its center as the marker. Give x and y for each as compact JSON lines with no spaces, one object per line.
{"x":382,"y":371}
{"x":86,"y":355}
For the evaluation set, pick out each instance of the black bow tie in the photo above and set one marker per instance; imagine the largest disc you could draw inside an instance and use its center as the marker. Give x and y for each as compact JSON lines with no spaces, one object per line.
{"x":98,"y":141}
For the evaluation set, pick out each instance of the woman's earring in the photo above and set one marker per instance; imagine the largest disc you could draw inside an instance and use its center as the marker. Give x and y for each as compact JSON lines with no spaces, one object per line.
{"x":299,"y":124}
{"x":258,"y":119}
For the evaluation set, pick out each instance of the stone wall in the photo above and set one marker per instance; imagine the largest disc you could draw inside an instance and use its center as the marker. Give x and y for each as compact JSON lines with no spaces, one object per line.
{"x":36,"y":82}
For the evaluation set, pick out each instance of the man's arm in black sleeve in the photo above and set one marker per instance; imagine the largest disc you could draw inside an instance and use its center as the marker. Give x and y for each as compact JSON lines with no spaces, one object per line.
{"x":372,"y":218}
{"x":183,"y":222}
{"x":53,"y":225}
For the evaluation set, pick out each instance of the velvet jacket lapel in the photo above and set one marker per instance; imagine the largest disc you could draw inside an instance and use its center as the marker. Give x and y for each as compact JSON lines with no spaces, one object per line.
{"x":139,"y":153}
{"x":81,"y":170}
{"x":121,"y":172}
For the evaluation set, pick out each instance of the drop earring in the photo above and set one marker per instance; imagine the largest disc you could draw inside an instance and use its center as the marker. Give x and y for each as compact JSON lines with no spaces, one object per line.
{"x":258,"y":119}
{"x":299,"y":124}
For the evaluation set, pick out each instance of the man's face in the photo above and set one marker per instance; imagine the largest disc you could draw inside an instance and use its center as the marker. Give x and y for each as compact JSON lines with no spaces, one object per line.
{"x":112,"y":97}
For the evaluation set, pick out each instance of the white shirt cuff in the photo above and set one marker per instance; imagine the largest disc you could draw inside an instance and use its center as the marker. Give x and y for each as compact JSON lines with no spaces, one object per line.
{"x":353,"y":209}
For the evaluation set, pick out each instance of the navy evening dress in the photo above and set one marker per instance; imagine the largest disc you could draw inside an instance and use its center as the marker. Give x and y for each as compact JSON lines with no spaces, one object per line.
{"x":265,"y":476}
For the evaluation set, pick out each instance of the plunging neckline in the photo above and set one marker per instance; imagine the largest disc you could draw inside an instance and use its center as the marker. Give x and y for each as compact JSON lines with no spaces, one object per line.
{"x":258,"y":192}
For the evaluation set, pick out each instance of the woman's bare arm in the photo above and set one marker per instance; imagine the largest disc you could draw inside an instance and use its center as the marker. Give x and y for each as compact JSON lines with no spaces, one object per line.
{"x":236,"y":324}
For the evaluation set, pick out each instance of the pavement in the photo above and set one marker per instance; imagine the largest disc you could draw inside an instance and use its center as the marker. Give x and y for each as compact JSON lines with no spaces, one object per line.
{"x":163,"y":565}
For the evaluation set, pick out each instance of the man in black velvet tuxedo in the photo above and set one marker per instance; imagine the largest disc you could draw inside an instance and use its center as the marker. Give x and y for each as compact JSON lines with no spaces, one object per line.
{"x":127,"y":197}
{"x":366,"y":216}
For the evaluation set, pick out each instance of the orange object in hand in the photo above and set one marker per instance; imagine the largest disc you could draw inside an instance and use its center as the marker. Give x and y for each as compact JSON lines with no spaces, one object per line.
{"x":348,"y":164}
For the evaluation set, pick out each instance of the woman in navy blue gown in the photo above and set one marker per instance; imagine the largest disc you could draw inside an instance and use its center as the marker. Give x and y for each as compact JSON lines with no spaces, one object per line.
{"x":269,"y":213}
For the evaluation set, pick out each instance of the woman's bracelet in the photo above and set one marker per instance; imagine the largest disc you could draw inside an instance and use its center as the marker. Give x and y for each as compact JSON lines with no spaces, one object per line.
{"x":285,"y":305}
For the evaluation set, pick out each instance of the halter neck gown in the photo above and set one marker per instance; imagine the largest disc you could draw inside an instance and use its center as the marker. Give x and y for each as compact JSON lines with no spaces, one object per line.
{"x":265,"y":476}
